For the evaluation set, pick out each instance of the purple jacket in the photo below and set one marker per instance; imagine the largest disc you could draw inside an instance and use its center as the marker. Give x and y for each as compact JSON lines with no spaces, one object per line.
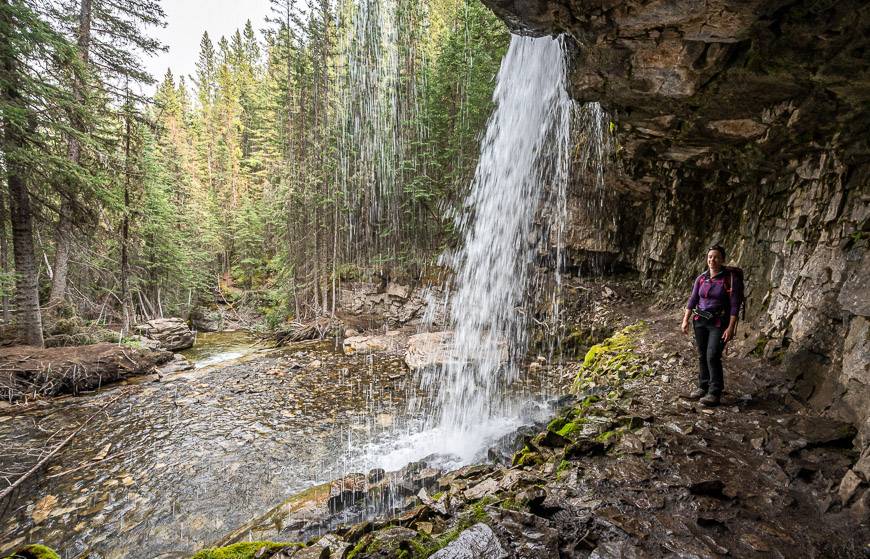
{"x":711,"y":294}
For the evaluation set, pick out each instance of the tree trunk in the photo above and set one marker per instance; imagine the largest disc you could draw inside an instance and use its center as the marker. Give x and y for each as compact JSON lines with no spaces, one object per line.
{"x":26,"y":287}
{"x":28,"y":317}
{"x":64,"y":231}
{"x":4,"y":257}
{"x":128,"y":318}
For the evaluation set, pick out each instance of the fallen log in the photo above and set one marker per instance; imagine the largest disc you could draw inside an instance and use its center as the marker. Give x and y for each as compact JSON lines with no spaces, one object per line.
{"x":28,"y":373}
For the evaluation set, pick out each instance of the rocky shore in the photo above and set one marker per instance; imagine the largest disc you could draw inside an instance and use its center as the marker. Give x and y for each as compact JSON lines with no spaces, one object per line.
{"x":630,"y":468}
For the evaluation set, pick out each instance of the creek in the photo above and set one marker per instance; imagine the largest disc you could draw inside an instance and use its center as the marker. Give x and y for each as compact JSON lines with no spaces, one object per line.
{"x":165,"y":468}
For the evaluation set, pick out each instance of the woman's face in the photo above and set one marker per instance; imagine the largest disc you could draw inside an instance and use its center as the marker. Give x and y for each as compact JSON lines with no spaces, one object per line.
{"x":714,"y":260}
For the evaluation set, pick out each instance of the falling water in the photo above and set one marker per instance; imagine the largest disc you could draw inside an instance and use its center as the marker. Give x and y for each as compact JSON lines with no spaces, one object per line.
{"x":524,"y":154}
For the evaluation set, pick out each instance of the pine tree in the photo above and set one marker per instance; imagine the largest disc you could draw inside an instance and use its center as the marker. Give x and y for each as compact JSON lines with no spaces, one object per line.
{"x":102,"y":27}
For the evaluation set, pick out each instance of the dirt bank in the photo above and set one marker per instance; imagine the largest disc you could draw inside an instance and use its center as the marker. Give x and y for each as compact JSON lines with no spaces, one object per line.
{"x":28,"y":372}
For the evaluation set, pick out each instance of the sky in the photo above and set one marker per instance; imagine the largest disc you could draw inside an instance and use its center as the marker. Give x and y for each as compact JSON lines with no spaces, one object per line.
{"x":187,"y":19}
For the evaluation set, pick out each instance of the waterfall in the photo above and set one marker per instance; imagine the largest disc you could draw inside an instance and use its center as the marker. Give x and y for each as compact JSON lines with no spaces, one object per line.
{"x":513,"y":227}
{"x":524,"y":161}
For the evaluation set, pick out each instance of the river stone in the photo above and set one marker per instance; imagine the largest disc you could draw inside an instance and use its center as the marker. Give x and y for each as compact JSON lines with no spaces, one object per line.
{"x":390,"y":341}
{"x":474,"y":543}
{"x":429,"y":349}
{"x":172,"y":333}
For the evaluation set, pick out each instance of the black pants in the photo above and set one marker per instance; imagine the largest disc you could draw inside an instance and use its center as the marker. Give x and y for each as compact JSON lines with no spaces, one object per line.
{"x":708,"y":338}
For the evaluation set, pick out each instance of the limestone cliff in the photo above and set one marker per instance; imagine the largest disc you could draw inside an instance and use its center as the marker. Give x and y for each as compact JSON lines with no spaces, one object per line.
{"x":742,"y":122}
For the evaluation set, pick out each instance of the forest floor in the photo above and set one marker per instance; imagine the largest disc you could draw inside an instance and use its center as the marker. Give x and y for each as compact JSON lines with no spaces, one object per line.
{"x":632,"y":468}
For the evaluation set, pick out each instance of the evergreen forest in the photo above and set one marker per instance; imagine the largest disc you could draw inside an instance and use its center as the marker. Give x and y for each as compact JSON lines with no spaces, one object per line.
{"x":333,"y":144}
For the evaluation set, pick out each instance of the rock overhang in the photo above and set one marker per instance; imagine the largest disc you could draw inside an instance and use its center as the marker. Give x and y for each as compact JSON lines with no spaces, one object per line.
{"x":738,"y":84}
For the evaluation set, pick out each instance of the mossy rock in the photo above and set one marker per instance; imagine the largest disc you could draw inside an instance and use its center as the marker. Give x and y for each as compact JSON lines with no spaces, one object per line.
{"x":612,"y":361}
{"x":34,"y":552}
{"x":527,"y":457}
{"x":66,"y":326}
{"x":245,"y":550}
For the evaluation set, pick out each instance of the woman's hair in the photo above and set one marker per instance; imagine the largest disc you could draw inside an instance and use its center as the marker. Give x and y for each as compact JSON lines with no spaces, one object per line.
{"x":719,"y":249}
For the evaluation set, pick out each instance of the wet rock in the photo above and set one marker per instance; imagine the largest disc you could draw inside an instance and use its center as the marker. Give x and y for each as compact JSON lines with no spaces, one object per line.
{"x":427,"y":477}
{"x":375,"y":475}
{"x":344,"y":492}
{"x":391,"y":341}
{"x":172,"y":333}
{"x":528,"y":536}
{"x":432,"y":349}
{"x":474,"y":543}
{"x":178,"y":363}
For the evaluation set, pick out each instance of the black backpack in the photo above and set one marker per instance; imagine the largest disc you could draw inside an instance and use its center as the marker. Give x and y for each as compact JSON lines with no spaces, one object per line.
{"x":734,"y":281}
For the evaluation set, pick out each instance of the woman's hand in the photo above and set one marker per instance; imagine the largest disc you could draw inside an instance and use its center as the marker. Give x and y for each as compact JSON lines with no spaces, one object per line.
{"x":728,"y":335}
{"x":685,"y":326}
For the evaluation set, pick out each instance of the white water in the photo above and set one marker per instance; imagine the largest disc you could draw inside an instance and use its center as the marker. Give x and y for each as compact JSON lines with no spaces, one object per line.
{"x":524,"y":165}
{"x":524,"y":154}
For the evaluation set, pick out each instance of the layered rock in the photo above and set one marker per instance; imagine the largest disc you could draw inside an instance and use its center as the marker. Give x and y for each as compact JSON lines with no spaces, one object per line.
{"x":172,"y":333}
{"x":743,"y":123}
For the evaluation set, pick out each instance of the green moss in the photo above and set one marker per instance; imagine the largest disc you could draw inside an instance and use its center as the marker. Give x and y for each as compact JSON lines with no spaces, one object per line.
{"x":424,"y":546}
{"x":527,"y":457}
{"x":760,"y":344}
{"x":570,"y":428}
{"x":510,"y":504}
{"x":608,"y":435}
{"x":612,"y":361}
{"x":35,"y":551}
{"x":244,"y":550}
{"x":358,"y":548}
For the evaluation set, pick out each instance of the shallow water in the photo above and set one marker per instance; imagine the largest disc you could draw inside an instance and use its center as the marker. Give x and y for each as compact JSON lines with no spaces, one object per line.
{"x":166,"y":468}
{"x":214,"y":348}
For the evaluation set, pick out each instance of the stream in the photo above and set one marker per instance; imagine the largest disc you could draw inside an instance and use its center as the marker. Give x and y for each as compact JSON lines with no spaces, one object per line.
{"x":164,"y":468}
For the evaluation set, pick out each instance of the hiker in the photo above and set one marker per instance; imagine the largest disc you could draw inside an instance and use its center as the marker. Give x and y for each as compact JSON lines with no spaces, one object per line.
{"x":713,"y":307}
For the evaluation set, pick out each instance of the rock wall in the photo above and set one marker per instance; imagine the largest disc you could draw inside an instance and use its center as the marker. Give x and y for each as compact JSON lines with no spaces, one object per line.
{"x":743,"y":123}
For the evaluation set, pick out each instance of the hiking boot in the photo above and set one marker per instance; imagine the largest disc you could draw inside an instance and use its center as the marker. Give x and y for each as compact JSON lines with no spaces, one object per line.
{"x":697,"y":393}
{"x":710,"y":400}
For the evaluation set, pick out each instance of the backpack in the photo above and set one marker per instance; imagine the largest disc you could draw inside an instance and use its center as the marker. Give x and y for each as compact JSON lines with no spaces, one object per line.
{"x":734,"y":281}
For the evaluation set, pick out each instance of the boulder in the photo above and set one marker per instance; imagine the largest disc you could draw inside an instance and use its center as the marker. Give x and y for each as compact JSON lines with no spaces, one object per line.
{"x":391,"y":341}
{"x":475,"y":542}
{"x":431,"y":349}
{"x":172,"y":333}
{"x":206,"y":321}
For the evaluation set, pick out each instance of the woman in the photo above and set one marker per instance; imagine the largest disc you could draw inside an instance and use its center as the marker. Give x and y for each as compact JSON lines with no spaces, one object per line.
{"x":713,"y":307}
